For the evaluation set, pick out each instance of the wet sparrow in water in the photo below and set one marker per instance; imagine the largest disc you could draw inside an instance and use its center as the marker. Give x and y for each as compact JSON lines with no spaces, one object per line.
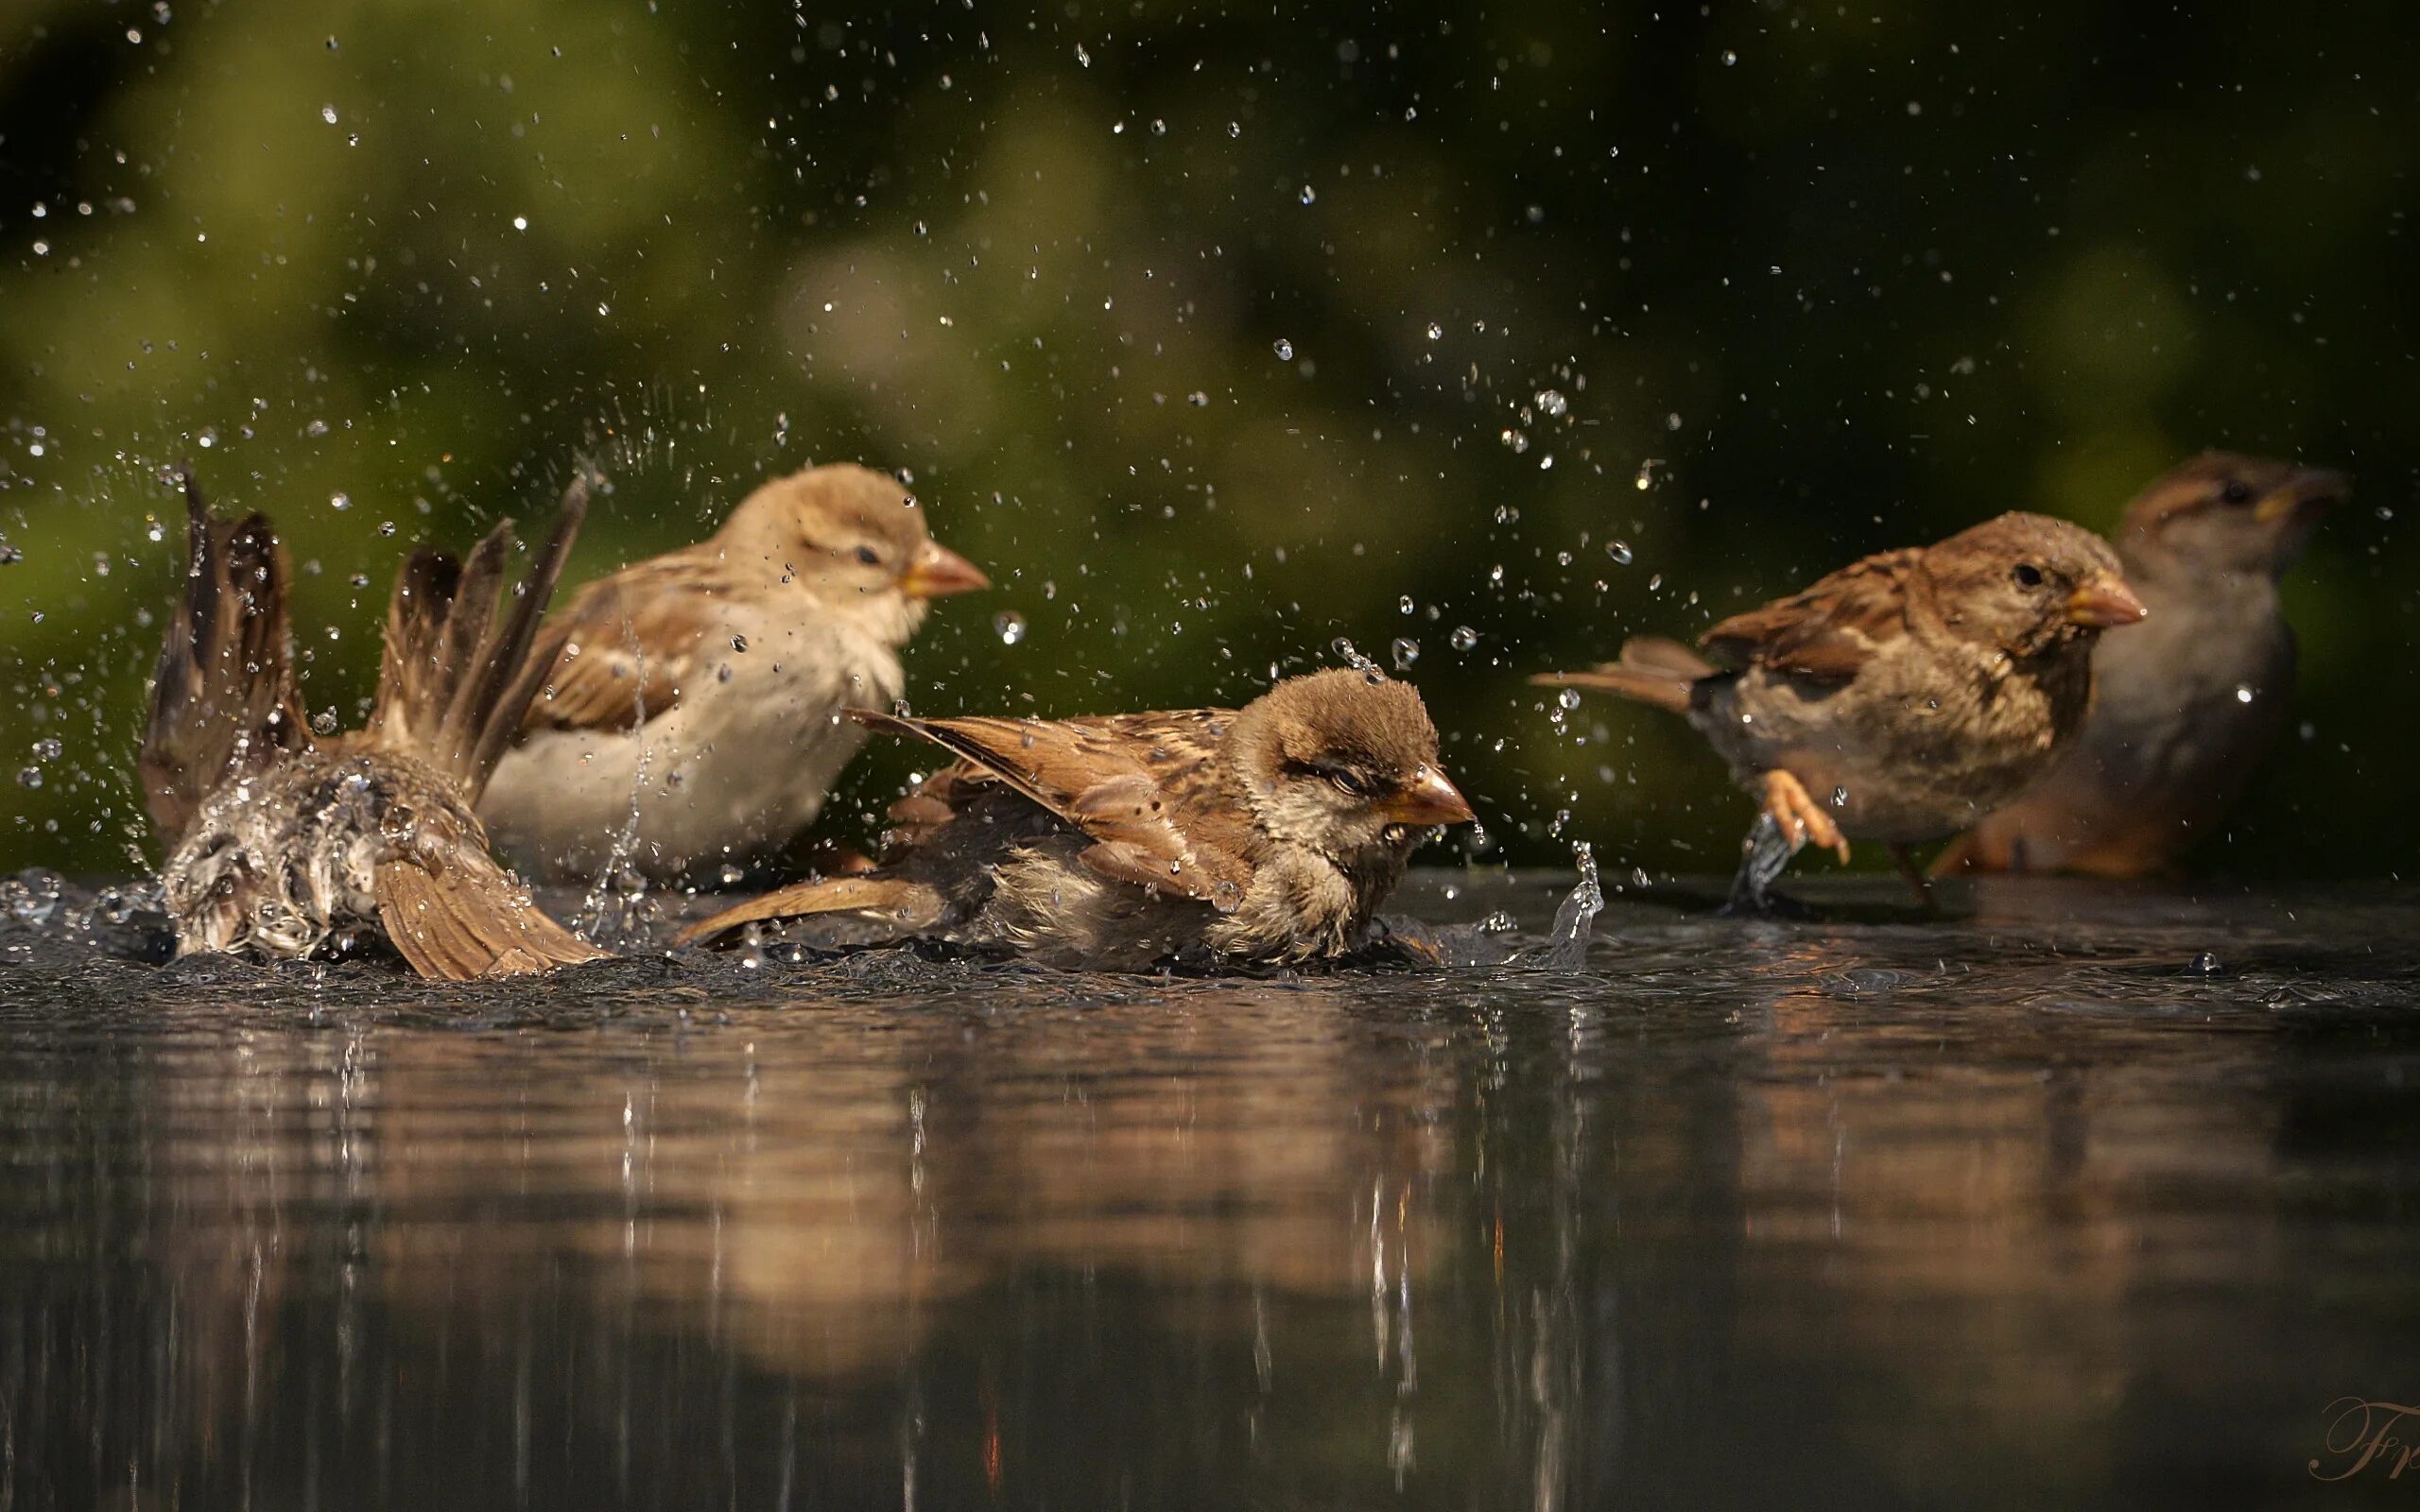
{"x":1200,"y":838}
{"x":280,"y":840}
{"x":2189,"y":703}
{"x":703,"y":688}
{"x":1901,"y":699}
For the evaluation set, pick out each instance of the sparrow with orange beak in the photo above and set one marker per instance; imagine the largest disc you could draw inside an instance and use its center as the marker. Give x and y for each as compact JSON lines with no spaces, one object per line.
{"x":2189,"y":703}
{"x":1197,"y":837}
{"x":1902,"y":697}
{"x":694,"y":714}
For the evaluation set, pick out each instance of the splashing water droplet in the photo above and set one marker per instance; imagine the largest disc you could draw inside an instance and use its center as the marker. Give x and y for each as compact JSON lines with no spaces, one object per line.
{"x":1436,"y":332}
{"x":1463,"y":637}
{"x":1551,"y":404}
{"x":1729,"y":58}
{"x":328,"y":113}
{"x":1082,"y":57}
{"x":1514,"y":440}
{"x":1406,"y":604}
{"x":1568,"y":698}
{"x":48,"y":748}
{"x":2243,"y":692}
{"x":30,"y":776}
{"x":339,"y":502}
{"x":1285,"y":350}
{"x":1009,"y":627}
{"x":1839,"y":798}
{"x":1403,"y":651}
{"x":1621,"y":552}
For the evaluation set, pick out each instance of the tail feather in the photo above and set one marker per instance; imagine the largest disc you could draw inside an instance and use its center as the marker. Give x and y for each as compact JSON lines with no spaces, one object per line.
{"x":911,"y":905}
{"x":223,"y":699}
{"x":458,"y":675}
{"x":1651,"y":671}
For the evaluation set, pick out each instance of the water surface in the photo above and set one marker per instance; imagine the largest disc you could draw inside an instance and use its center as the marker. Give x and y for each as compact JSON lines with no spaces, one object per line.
{"x":2094,"y":1198}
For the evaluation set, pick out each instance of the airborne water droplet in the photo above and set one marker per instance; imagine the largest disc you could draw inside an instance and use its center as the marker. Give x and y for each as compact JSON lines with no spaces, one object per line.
{"x":1463,"y":637}
{"x":2243,"y":692}
{"x":1568,"y":698}
{"x":1009,"y":625}
{"x":1839,"y":798}
{"x":1621,"y":552}
{"x":1285,"y":350}
{"x":1310,"y":194}
{"x":1404,"y":651}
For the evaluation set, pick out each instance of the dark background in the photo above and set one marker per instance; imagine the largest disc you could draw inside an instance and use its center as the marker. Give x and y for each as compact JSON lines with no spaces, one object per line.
{"x":1809,"y":281}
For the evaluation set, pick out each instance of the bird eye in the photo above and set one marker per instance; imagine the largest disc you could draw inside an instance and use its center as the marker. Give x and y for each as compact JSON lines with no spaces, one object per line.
{"x":2237,"y":492}
{"x":1347,"y":783}
{"x":869,"y":556}
{"x":2027,"y":575}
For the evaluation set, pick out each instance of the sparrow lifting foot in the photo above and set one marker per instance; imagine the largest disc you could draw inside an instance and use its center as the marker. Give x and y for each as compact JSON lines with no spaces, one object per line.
{"x":1905,"y":859}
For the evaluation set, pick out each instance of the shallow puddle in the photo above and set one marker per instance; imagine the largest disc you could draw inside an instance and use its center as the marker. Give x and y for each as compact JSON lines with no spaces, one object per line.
{"x":2086,"y":1197}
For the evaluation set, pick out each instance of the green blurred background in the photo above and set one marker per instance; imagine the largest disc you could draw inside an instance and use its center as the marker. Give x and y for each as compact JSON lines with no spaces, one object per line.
{"x":1215,"y":338}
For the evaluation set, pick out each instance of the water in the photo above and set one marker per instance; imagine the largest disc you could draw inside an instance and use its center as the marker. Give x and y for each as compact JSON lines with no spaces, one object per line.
{"x":2017,"y":1210}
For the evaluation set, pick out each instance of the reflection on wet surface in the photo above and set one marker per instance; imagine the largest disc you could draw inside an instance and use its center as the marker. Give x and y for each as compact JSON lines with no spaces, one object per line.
{"x":2034,"y":1207}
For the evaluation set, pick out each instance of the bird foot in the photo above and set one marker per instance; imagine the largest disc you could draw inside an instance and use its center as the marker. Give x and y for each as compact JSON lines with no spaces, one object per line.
{"x":1800,"y":818}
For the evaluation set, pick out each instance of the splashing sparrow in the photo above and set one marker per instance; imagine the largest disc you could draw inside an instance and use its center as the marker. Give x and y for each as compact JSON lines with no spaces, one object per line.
{"x":279,"y":840}
{"x":1198,"y":837}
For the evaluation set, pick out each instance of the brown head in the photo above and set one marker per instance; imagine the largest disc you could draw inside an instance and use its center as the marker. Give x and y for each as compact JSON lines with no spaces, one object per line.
{"x":846,"y":532}
{"x":2226,"y":513}
{"x":2030,"y":585}
{"x":1344,"y":761}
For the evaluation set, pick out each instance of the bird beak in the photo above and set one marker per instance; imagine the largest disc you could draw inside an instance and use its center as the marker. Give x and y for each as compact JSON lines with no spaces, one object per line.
{"x":938,"y":571}
{"x":1429,"y":800}
{"x":2307,"y":493}
{"x":2105,"y":603}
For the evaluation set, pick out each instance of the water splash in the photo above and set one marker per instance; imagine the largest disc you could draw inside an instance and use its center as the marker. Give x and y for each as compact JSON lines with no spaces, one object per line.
{"x":1575,"y":921}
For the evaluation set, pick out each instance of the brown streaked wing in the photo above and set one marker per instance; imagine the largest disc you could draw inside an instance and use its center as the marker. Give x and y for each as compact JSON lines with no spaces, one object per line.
{"x":642,"y":636}
{"x":1145,"y":786}
{"x":1826,"y":633}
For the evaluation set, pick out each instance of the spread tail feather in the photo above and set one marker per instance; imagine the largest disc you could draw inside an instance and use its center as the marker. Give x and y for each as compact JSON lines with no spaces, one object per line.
{"x":1651,"y":671}
{"x":892,"y":900}
{"x":223,"y":699}
{"x":472,"y":919}
{"x":458,"y":675}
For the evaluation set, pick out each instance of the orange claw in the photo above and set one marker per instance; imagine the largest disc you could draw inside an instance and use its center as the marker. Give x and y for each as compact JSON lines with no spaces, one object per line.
{"x":1800,"y":817}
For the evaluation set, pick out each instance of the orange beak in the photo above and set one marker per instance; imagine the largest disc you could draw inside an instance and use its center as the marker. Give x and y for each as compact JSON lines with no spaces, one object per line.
{"x":1429,"y":800}
{"x":2105,"y":603}
{"x":938,"y":572}
{"x":2310,"y":491}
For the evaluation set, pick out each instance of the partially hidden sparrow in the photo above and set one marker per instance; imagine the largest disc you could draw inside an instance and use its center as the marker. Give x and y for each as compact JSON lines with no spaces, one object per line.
{"x":1200,"y":838}
{"x":280,"y":840}
{"x":1902,"y":697}
{"x":693,"y":714}
{"x":2189,"y":704}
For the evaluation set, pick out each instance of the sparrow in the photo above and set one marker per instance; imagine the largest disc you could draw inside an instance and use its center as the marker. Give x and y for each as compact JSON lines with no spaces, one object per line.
{"x":1917,"y":690}
{"x":1198,"y":838}
{"x":279,"y":840}
{"x":2189,"y":703}
{"x":692,"y":715}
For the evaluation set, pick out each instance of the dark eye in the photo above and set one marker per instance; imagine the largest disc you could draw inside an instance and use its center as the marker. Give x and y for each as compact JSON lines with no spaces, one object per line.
{"x":1349,"y":783}
{"x":2027,"y":575}
{"x":2237,"y":492}
{"x":869,"y":556}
